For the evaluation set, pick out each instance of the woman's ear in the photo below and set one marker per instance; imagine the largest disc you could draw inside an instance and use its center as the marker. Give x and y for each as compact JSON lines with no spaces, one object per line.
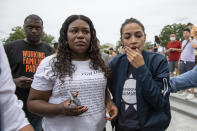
{"x":121,"y":41}
{"x":144,"y":37}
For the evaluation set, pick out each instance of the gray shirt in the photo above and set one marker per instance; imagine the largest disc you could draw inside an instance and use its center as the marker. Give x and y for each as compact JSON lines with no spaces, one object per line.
{"x":188,"y":52}
{"x":105,"y":57}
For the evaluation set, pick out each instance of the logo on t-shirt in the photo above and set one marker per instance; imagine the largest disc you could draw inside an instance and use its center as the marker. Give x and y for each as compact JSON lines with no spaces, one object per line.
{"x":129,"y":91}
{"x":31,"y":60}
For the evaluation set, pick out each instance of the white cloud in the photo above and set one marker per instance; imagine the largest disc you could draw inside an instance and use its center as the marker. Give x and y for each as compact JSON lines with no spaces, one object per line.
{"x":107,"y":15}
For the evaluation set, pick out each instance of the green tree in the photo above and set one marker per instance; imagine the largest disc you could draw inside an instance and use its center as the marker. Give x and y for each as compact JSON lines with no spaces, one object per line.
{"x":147,"y":43}
{"x":118,"y":45}
{"x":105,"y":47}
{"x":18,"y":33}
{"x":168,"y":29}
{"x":47,"y":38}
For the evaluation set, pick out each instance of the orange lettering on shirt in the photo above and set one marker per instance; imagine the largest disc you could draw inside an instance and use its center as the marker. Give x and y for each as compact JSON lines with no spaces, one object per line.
{"x":32,"y":59}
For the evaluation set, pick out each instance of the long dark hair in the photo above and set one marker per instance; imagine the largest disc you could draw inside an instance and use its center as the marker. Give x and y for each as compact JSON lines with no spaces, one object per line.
{"x":157,"y":40}
{"x":62,"y":63}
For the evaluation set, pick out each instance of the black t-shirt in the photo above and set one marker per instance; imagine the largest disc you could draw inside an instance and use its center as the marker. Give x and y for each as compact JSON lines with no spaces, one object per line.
{"x":128,"y":118}
{"x":24,"y":59}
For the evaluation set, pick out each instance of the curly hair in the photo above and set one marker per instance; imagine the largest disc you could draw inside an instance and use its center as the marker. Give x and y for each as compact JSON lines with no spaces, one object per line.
{"x":62,"y":63}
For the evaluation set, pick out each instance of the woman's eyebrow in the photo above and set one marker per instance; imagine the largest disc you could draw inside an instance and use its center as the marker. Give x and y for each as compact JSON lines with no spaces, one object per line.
{"x":126,"y":33}
{"x":138,"y":32}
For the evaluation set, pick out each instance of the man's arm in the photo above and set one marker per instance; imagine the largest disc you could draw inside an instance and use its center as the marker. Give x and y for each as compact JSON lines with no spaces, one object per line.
{"x":169,"y":50}
{"x":184,"y":81}
{"x":177,"y":49}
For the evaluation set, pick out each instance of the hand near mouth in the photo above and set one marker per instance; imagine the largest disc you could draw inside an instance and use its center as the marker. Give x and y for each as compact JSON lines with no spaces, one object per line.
{"x":135,"y":57}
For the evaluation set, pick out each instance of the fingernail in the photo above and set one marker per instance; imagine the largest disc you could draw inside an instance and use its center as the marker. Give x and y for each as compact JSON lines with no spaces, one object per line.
{"x":85,"y":109}
{"x":107,"y":118}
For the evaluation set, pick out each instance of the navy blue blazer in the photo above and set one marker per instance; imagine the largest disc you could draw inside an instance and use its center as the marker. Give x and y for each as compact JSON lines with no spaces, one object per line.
{"x":152,"y":89}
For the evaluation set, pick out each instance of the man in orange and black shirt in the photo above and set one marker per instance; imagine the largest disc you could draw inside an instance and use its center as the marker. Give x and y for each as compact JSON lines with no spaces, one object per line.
{"x":24,"y":57}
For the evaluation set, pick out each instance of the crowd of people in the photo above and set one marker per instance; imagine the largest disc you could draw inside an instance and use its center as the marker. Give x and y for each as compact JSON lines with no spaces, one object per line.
{"x":180,"y":55}
{"x":76,"y":87}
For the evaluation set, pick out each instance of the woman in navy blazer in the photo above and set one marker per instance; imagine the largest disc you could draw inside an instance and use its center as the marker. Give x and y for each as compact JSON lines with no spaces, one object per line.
{"x":140,"y":83}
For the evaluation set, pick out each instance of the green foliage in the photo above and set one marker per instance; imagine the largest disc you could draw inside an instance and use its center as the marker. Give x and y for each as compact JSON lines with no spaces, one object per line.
{"x":18,"y":33}
{"x":47,"y":38}
{"x":147,"y":43}
{"x":118,"y":45}
{"x":168,"y":29}
{"x":105,"y":47}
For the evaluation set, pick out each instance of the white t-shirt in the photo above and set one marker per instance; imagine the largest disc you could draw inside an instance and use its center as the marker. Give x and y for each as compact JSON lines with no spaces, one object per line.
{"x":12,"y":117}
{"x":161,"y":50}
{"x":91,"y":85}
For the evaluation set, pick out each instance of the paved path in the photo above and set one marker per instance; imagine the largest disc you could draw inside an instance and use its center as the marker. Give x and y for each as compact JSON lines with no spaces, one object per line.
{"x":179,"y":122}
{"x":182,"y":122}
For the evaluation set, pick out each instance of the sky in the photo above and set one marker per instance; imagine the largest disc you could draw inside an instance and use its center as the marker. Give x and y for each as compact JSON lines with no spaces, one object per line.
{"x":107,"y":15}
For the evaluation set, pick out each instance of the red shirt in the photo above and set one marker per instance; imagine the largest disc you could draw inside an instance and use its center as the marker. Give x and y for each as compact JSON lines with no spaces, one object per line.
{"x":174,"y":55}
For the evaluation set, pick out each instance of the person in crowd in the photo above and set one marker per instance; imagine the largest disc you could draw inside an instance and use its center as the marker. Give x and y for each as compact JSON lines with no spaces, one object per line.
{"x":70,"y":87}
{"x":156,"y":44}
{"x":12,"y":117}
{"x":121,"y":50}
{"x":106,"y":51}
{"x":104,"y":55}
{"x":193,"y":41}
{"x":174,"y":51}
{"x":187,"y":59}
{"x":188,"y":79}
{"x":160,"y":48}
{"x":192,"y":28}
{"x":24,"y":57}
{"x":112,"y":53}
{"x":140,"y":83}
{"x":150,"y":48}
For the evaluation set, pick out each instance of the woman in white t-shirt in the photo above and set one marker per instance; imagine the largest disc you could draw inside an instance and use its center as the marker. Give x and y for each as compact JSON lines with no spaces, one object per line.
{"x":77,"y":67}
{"x":161,"y":49}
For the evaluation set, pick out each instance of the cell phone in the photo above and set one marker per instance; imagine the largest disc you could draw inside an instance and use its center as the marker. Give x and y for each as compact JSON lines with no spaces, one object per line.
{"x":74,"y":100}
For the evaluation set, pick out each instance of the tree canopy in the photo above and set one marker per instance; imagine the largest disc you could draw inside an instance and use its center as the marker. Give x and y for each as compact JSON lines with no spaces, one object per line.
{"x":177,"y":29}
